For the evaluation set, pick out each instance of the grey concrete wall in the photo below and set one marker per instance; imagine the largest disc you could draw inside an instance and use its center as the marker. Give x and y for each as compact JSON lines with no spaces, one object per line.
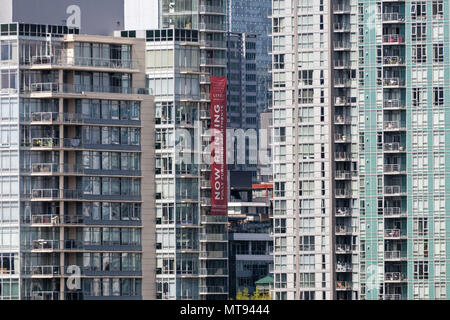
{"x":99,"y":17}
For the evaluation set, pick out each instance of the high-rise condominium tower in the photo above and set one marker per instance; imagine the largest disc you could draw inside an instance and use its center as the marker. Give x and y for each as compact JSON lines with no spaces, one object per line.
{"x":314,"y":49}
{"x":361,"y":86}
{"x":404,"y":141}
{"x":182,"y":54}
{"x":72,"y":219}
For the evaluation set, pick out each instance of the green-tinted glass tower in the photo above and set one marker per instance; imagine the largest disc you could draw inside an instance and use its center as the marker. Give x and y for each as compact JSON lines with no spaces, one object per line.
{"x":404,"y":145}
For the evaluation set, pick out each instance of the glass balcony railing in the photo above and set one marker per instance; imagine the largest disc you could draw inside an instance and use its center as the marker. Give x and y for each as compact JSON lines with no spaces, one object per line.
{"x":393,"y":39}
{"x":394,"y":233}
{"x":390,"y":190}
{"x":394,"y":125}
{"x":64,"y":88}
{"x":394,"y":147}
{"x":393,"y":60}
{"x":394,"y":255}
{"x":63,"y":60}
{"x":48,"y":270}
{"x":393,"y":168}
{"x":395,"y":276}
{"x":393,"y":104}
{"x":393,"y":17}
{"x":393,"y":82}
{"x":343,"y":285}
{"x":394,"y":211}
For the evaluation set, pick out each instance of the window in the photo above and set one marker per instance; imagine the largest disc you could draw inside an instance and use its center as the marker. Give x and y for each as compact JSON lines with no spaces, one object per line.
{"x":419,"y":53}
{"x":438,"y":96}
{"x":438,"y":52}
{"x":438,"y":9}
{"x":420,"y":270}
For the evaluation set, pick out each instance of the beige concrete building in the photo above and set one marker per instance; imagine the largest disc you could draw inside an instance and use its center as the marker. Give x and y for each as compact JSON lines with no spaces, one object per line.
{"x":80,"y":162}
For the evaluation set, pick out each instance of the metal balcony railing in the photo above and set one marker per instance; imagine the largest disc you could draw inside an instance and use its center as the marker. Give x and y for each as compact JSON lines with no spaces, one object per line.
{"x":394,"y":125}
{"x":42,"y":270}
{"x":393,"y":168}
{"x":389,"y":82}
{"x":393,"y":60}
{"x":394,"y":233}
{"x":213,"y":289}
{"x":393,"y":211}
{"x":393,"y":104}
{"x":343,"y":285}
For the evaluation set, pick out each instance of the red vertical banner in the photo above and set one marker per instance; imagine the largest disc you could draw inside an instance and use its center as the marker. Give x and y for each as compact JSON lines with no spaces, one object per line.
{"x":218,"y":96}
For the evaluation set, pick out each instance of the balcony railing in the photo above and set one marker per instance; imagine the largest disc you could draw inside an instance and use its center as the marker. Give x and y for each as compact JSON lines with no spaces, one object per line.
{"x":389,"y":82}
{"x":394,"y":255}
{"x":63,"y":60}
{"x":213,"y":289}
{"x":43,"y":244}
{"x":343,"y":174}
{"x":394,"y":146}
{"x":343,"y":267}
{"x":392,"y":297}
{"x":213,"y":271}
{"x":42,"y":270}
{"x":341,"y":7}
{"x":343,"y":285}
{"x":343,"y":192}
{"x":214,"y":236}
{"x":393,"y":60}
{"x":393,"y":168}
{"x":393,"y":38}
{"x":342,"y":155}
{"x":343,"y":212}
{"x":342,"y":27}
{"x":394,"y":233}
{"x":342,"y":45}
{"x":396,"y":17}
{"x":342,"y":119}
{"x":393,"y":125}
{"x":393,"y":104}
{"x":43,"y":219}
{"x":394,"y":276}
{"x":49,"y":168}
{"x":394,"y":211}
{"x":213,"y":9}
{"x":339,"y":137}
{"x":53,"y":87}
{"x":345,"y":229}
{"x":394,"y":190}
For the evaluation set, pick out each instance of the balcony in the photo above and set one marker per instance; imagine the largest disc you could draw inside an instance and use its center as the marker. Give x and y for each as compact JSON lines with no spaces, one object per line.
{"x":45,"y":143}
{"x":393,"y":169}
{"x":345,"y":248}
{"x":342,"y":138}
{"x":394,"y":234}
{"x":393,"y":82}
{"x":395,"y":277}
{"x":343,"y":212}
{"x":394,"y":147}
{"x":393,"y":18}
{"x":212,"y":9}
{"x":342,"y":119}
{"x":394,"y":61}
{"x":210,"y":26}
{"x":206,"y":219}
{"x":342,"y":64}
{"x":342,"y":45}
{"x":214,"y":255}
{"x":343,"y":193}
{"x":205,"y":184}
{"x":213,"y":290}
{"x":343,"y":175}
{"x":42,"y":220}
{"x":394,"y":126}
{"x":341,"y":8}
{"x":395,"y":255}
{"x":394,"y":190}
{"x":394,"y":212}
{"x":341,"y":101}
{"x":341,"y":27}
{"x":393,"y":104}
{"x":44,"y":168}
{"x":54,"y":245}
{"x":222,"y":62}
{"x":343,"y":267}
{"x":48,"y":271}
{"x":213,"y":237}
{"x":342,"y":156}
{"x":40,"y":118}
{"x":392,"y":297}
{"x":62,"y":60}
{"x":343,"y":285}
{"x":345,"y":230}
{"x":342,"y":82}
{"x":65,"y":88}
{"x":213,"y":272}
{"x":393,"y":39}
